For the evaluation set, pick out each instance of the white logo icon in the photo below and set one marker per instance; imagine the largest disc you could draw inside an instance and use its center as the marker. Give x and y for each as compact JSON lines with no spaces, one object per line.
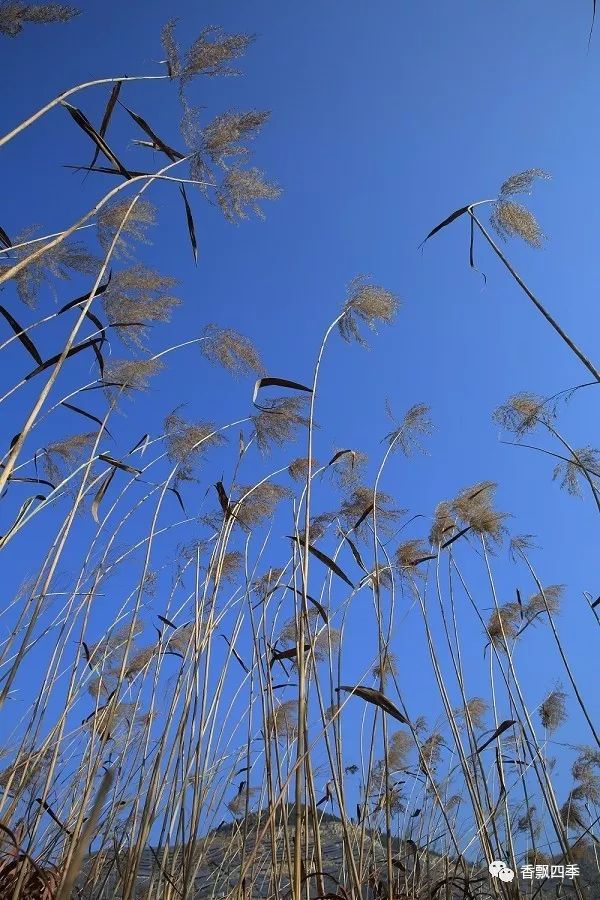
{"x":499,"y":869}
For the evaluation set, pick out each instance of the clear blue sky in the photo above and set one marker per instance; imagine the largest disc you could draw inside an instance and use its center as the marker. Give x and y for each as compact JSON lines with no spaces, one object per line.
{"x":385,"y":117}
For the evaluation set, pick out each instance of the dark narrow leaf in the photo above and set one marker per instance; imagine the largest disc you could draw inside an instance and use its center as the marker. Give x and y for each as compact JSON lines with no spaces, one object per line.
{"x":91,"y":132}
{"x":416,"y":813}
{"x":277,"y":382}
{"x":520,"y":602}
{"x":131,"y":173}
{"x":100,"y":708}
{"x":20,"y":516}
{"x":52,"y":814}
{"x":86,"y":651}
{"x":358,"y":813}
{"x":451,"y":218}
{"x":339,"y":455}
{"x":23,"y":338}
{"x":504,"y":726}
{"x":158,"y":143}
{"x":22,"y":479}
{"x":167,"y":621}
{"x":596,"y":603}
{"x":280,"y":655}
{"x":472,"y":251}
{"x":355,"y":553}
{"x":79,"y":301}
{"x":223,"y":499}
{"x":83,"y":412}
{"x":326,"y":560}
{"x":99,"y":358}
{"x":178,"y":495}
{"x":142,"y":440}
{"x":112,"y":100}
{"x":100,"y":494}
{"x":190,"y":223}
{"x":54,"y":359}
{"x":4,"y":239}
{"x":377,"y":698}
{"x":318,"y":606}
{"x":236,"y":654}
{"x":118,"y":464}
{"x":359,"y":521}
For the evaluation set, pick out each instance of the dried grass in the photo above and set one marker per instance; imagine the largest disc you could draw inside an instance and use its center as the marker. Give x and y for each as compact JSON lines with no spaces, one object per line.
{"x":367,"y":304}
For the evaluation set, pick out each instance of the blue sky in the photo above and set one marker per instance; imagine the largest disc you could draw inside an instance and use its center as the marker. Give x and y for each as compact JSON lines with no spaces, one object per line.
{"x":385,"y":118}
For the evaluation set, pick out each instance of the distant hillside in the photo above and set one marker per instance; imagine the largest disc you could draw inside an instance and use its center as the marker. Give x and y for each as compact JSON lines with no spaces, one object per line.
{"x":221,"y":855}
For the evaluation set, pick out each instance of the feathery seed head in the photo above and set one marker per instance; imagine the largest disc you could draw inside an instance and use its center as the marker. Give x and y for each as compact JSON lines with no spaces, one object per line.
{"x":444,"y":523}
{"x":279,"y":421}
{"x":132,"y":222}
{"x":473,"y":507}
{"x":14,"y":15}
{"x":367,"y":304}
{"x":222,"y":135}
{"x":130,"y":374}
{"x":231,"y":350}
{"x":298,"y":468}
{"x":521,"y":413}
{"x":503,"y":624}
{"x":212,"y":51}
{"x":553,"y":710}
{"x":510,"y":219}
{"x":572,"y":472}
{"x":522,"y":182}
{"x":240,"y":192}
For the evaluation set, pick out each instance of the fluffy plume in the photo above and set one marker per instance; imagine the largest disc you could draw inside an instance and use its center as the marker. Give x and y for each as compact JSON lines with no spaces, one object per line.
{"x":136,"y":221}
{"x":570,"y":473}
{"x":553,"y":710}
{"x":55,"y":263}
{"x":522,"y":182}
{"x":510,"y":219}
{"x":386,"y":669}
{"x":474,"y":710}
{"x":367,"y":304}
{"x":504,"y":624}
{"x":62,"y":455}
{"x":298,"y":469}
{"x":278,"y":423}
{"x":550,"y":598}
{"x":414,"y":425}
{"x":473,"y":507}
{"x":138,"y":661}
{"x":135,"y":298}
{"x":130,"y":374}
{"x":282,"y":724}
{"x":444,"y":523}
{"x":431,"y":752}
{"x":260,"y":504}
{"x":186,"y":442}
{"x":231,"y":350}
{"x":401,"y":744}
{"x":408,"y":554}
{"x":263,"y":585}
{"x":211,"y":52}
{"x":14,"y":15}
{"x":171,"y":49}
{"x":360,"y":502}
{"x":221,"y":138}
{"x":521,"y":413}
{"x":240,"y":192}
{"x":231,"y":564}
{"x":348,"y":469}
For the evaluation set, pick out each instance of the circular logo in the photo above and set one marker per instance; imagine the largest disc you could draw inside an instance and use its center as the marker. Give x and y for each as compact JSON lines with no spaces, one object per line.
{"x":499,"y":869}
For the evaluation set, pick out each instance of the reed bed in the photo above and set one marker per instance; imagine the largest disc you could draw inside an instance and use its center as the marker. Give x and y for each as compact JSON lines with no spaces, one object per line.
{"x":180,"y":707}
